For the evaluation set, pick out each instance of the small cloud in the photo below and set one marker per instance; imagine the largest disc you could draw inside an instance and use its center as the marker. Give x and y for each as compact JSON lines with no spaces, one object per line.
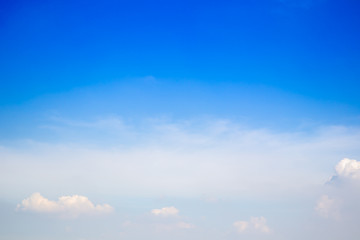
{"x":241,"y":226}
{"x":259,"y":223}
{"x":256,"y":224}
{"x":170,"y":224}
{"x":327,"y":207}
{"x":66,"y":206}
{"x":184,"y":225}
{"x":165,"y":212}
{"x":348,"y":168}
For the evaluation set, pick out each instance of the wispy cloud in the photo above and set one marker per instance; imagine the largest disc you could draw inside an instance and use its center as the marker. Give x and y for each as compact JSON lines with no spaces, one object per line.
{"x":165,"y":212}
{"x":213,"y":158}
{"x":255,"y":224}
{"x":328,"y":207}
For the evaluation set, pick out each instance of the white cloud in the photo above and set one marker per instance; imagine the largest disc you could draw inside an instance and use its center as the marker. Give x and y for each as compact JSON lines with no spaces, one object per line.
{"x":67,"y":206}
{"x":344,"y":194}
{"x":170,"y":224}
{"x":348,"y":168}
{"x":165,"y":212}
{"x":256,"y":224}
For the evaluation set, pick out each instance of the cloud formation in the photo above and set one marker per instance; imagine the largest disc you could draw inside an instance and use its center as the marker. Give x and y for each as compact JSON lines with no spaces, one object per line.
{"x":348,"y":168}
{"x":66,"y":206}
{"x":256,"y":224}
{"x":180,"y":159}
{"x":165,"y":212}
{"x":342,"y":192}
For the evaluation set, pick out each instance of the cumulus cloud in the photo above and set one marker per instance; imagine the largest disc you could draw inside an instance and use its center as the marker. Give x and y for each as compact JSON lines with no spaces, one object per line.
{"x":256,"y":224}
{"x":67,"y":206}
{"x":343,"y":194}
{"x":327,"y":207}
{"x":165,"y":212}
{"x":348,"y":168}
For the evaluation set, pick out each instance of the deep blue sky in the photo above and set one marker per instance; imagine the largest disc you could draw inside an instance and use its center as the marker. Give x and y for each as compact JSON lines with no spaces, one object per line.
{"x":308,"y":47}
{"x":222,"y":58}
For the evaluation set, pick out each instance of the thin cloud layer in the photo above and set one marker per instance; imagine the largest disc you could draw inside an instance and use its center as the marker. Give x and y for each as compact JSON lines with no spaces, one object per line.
{"x":66,"y":206}
{"x":327,"y":207}
{"x":241,"y":226}
{"x":165,"y":212}
{"x":256,"y":224}
{"x":181,"y":159}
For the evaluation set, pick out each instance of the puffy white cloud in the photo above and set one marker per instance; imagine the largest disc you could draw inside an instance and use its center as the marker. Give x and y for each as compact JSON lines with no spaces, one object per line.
{"x":348,"y":168}
{"x":165,"y":212}
{"x":67,"y":206}
{"x":257,"y":224}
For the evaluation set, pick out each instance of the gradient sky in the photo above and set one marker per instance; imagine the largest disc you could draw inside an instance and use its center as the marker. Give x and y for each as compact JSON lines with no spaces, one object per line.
{"x":179,"y":119}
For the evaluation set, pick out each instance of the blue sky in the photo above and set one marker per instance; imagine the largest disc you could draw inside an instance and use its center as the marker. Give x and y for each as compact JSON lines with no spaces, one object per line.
{"x":202,"y":56}
{"x":179,"y":119}
{"x":305,"y":47}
